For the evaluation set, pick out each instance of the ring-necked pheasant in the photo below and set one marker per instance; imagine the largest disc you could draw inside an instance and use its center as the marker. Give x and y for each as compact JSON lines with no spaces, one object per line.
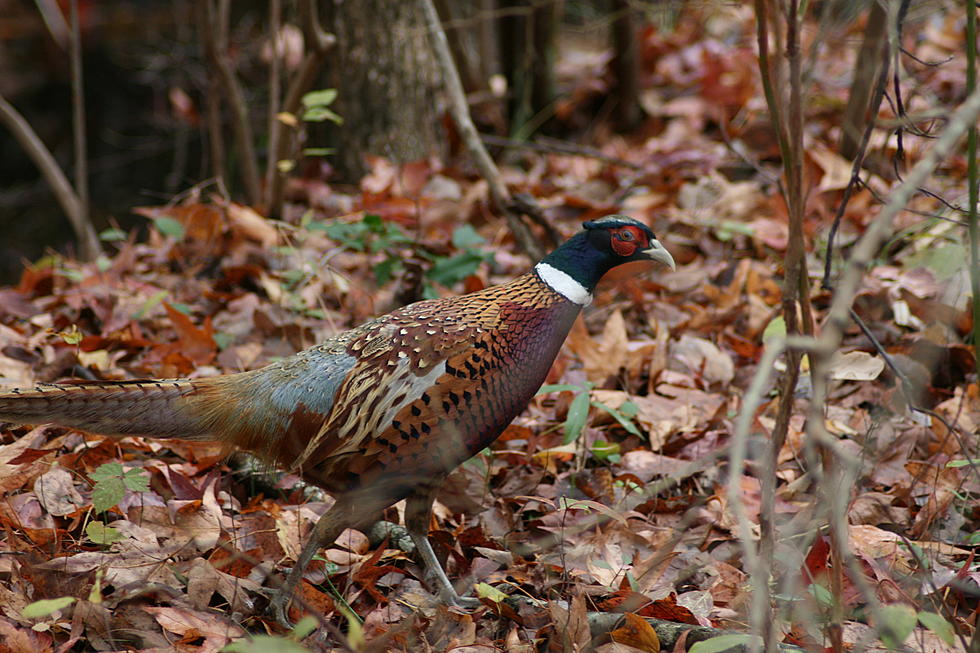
{"x":382,"y":412}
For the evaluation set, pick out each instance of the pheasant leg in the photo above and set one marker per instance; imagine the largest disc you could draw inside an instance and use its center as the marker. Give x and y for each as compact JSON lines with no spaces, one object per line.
{"x":418,"y":515}
{"x":344,"y":513}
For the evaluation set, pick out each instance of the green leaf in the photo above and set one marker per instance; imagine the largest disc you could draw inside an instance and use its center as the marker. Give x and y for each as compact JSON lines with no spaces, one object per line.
{"x":223,"y":340}
{"x":385,"y":270}
{"x":322,"y":114}
{"x":150,"y":303}
{"x":320,"y":98}
{"x":112,"y":235}
{"x":73,"y":336}
{"x":319,"y":151}
{"x":578,"y":413}
{"x":102,"y":534}
{"x":111,"y":483}
{"x":944,"y":260}
{"x":71,"y":274}
{"x":304,"y":628}
{"x":43,"y":608}
{"x":374,"y":223}
{"x":821,"y":594}
{"x":721,"y":643}
{"x":937,"y":624}
{"x":624,"y":421}
{"x":560,"y":387}
{"x":169,"y":227}
{"x":466,"y":236}
{"x":775,"y":329}
{"x":485,"y":591}
{"x":964,"y":463}
{"x":266,"y":644}
{"x":605,"y":451}
{"x":447,"y":271}
{"x":355,"y":629}
{"x":895,"y":624}
{"x":629,"y":408}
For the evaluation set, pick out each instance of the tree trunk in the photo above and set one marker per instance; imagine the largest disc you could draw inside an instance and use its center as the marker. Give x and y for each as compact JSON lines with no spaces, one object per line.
{"x":528,"y":48}
{"x":388,"y":84}
{"x":625,"y":66}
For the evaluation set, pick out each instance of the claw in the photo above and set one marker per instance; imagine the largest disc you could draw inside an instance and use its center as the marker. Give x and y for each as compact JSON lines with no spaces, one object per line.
{"x":278,"y":610}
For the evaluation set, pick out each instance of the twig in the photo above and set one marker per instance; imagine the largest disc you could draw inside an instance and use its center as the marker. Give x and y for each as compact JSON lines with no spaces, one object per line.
{"x":973,"y":177}
{"x":877,"y":232}
{"x":931,"y":64}
{"x":925,"y":214}
{"x":795,"y":301}
{"x":275,"y":126}
{"x":906,"y":388}
{"x":214,"y":34}
{"x":459,"y":110}
{"x":317,"y":43}
{"x":63,"y":192}
{"x":78,"y":125}
{"x":859,"y":154}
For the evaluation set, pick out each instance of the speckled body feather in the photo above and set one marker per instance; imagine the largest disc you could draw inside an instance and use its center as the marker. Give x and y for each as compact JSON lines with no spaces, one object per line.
{"x":410,"y":395}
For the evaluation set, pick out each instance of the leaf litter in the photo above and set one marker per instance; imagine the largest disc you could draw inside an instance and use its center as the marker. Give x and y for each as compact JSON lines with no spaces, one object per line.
{"x":167,"y":547}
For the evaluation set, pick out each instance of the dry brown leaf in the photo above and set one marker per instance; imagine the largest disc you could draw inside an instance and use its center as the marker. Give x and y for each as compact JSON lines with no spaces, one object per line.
{"x":702,"y":358}
{"x":855,"y":366}
{"x":217,"y":630}
{"x":604,"y":357}
{"x":638,"y":633}
{"x":571,"y":625}
{"x":836,"y":169}
{"x":248,"y":223}
{"x":56,"y":492}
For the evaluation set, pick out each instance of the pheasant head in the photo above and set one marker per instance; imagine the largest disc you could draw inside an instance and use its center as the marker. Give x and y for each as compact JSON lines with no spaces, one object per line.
{"x":575,"y":268}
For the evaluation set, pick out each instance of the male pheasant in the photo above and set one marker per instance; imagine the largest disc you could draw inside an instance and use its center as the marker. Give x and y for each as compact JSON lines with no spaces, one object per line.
{"x":382,"y":412}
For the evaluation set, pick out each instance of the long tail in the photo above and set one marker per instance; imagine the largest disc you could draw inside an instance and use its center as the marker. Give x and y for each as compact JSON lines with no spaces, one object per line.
{"x":160,"y":409}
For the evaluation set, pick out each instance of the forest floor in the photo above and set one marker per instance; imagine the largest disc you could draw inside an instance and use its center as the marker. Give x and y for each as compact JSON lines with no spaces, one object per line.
{"x":610,"y":493}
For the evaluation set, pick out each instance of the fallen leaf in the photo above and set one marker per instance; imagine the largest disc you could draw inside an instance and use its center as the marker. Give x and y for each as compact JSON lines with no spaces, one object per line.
{"x":855,"y":366}
{"x":638,"y":633}
{"x":56,"y":492}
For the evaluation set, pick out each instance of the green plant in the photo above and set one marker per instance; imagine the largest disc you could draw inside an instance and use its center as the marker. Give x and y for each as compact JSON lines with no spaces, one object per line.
{"x":578,"y":413}
{"x":315,"y":109}
{"x":273,"y":644}
{"x":111,"y":483}
{"x":372,"y":235}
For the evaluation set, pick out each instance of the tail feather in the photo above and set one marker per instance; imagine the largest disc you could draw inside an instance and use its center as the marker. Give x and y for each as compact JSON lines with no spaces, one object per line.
{"x":157,"y":409}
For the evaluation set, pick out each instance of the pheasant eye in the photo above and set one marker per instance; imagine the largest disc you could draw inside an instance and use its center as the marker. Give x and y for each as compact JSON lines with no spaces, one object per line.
{"x":626,"y":235}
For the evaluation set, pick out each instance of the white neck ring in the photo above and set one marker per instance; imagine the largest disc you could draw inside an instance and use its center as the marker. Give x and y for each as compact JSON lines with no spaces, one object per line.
{"x":563,"y":284}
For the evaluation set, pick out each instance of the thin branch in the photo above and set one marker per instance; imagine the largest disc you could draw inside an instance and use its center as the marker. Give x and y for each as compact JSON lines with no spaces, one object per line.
{"x":275,"y":126}
{"x":215,"y":45}
{"x":973,"y":177}
{"x":78,"y":113}
{"x":859,"y":154}
{"x":54,"y":176}
{"x":877,"y":232}
{"x":317,"y":43}
{"x":500,"y":196}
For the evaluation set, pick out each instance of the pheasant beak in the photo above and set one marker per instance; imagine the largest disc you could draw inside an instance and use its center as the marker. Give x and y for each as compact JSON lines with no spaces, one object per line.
{"x":659,"y":253}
